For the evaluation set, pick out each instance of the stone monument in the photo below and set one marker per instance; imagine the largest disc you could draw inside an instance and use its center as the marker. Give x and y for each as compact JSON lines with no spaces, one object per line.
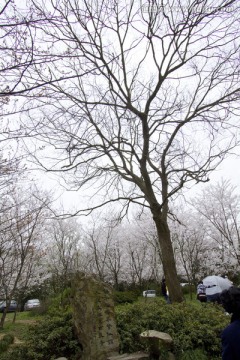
{"x":94,"y":319}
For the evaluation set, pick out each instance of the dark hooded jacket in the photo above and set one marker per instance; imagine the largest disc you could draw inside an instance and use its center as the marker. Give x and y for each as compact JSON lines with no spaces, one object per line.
{"x":230,"y":300}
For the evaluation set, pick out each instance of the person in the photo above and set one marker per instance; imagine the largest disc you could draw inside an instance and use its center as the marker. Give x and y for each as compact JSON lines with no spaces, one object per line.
{"x":201,"y":292}
{"x":230,"y":337}
{"x":164,"y":290}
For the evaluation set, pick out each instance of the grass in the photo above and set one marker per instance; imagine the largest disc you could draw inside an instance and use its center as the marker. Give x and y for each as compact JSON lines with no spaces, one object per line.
{"x":19,"y":329}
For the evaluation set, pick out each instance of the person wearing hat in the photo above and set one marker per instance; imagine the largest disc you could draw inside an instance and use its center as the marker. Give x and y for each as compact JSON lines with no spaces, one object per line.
{"x":230,"y":300}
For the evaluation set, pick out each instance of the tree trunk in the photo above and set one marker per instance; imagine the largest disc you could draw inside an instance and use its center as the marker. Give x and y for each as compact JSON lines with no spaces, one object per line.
{"x":14,"y":317}
{"x":168,"y":261}
{"x":3,"y":319}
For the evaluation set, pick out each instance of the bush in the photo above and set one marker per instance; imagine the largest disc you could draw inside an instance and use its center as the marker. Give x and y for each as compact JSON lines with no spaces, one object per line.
{"x":41,"y":310}
{"x":51,"y":338}
{"x":123,"y":297}
{"x":187,"y":289}
{"x":8,"y":338}
{"x":5,"y":342}
{"x":192,"y":326}
{"x":59,"y":304}
{"x":16,"y":353}
{"x":197,"y":354}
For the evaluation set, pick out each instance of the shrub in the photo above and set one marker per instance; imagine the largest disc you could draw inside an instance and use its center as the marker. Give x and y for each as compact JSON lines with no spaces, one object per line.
{"x":59,"y":304}
{"x":3,"y":346}
{"x":123,"y":297}
{"x":16,"y":353}
{"x":8,"y":338}
{"x":51,"y":338}
{"x":187,"y":289}
{"x":192,"y":326}
{"x":41,"y":310}
{"x":5,"y":342}
{"x":197,"y":354}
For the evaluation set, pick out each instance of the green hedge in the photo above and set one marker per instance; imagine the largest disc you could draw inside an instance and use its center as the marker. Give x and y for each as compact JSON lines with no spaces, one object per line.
{"x":51,"y":338}
{"x":192,"y":326}
{"x":5,"y":342}
{"x":123,"y":297}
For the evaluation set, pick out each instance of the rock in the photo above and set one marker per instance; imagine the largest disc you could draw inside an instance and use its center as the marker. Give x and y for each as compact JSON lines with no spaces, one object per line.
{"x":94,"y":318}
{"x":159,"y":343}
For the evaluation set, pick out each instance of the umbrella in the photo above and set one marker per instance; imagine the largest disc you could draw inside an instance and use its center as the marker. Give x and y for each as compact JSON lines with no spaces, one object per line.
{"x":216,"y":284}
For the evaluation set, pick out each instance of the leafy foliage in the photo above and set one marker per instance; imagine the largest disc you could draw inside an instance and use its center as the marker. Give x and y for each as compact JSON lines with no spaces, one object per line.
{"x":5,"y":342}
{"x":123,"y":297}
{"x":50,"y":338}
{"x":197,"y":354}
{"x":192,"y":326}
{"x":59,"y":304}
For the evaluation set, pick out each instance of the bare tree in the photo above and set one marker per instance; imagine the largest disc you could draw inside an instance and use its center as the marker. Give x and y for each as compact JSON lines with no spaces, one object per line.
{"x":99,"y":239}
{"x":120,"y":253}
{"x":63,"y":251}
{"x":115,"y":261}
{"x":20,"y":241}
{"x":140,"y":261}
{"x":193,"y":247}
{"x":142,"y":99}
{"x":11,"y":164}
{"x":17,"y":50}
{"x":143,"y":250}
{"x":220,"y":205}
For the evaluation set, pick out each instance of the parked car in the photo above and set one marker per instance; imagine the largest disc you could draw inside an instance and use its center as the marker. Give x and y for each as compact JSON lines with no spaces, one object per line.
{"x":12,"y":307}
{"x":149,"y":293}
{"x":32,"y":304}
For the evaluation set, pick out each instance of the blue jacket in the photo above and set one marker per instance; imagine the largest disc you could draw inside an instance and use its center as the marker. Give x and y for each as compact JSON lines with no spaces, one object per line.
{"x":231,"y":341}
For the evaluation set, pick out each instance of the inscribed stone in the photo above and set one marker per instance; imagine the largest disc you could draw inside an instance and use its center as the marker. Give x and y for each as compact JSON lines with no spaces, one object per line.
{"x":94,"y":319}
